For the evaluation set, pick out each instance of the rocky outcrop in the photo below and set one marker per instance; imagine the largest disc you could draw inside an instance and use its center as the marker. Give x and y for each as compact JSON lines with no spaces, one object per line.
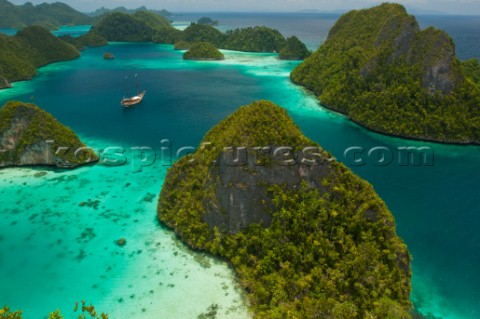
{"x":4,"y":83}
{"x":434,"y":51}
{"x":30,"y":136}
{"x":431,"y":50}
{"x":241,"y":178}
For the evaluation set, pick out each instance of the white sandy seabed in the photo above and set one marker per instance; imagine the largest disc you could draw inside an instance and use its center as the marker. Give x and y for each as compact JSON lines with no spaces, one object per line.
{"x":57,"y":246}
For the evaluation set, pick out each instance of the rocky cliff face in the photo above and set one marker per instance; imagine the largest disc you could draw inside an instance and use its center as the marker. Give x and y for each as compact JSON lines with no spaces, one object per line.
{"x":434,"y":51}
{"x":399,"y":38}
{"x":31,"y":136}
{"x":241,"y":183}
{"x":4,"y":83}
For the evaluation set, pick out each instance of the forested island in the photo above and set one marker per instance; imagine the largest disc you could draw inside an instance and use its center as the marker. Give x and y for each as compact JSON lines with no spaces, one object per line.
{"x":383,"y":72}
{"x":54,"y":15}
{"x":49,"y":16}
{"x":203,"y":51}
{"x":207,"y":21}
{"x":306,"y":237}
{"x":30,"y":48}
{"x":102,"y":11}
{"x":251,"y":39}
{"x":30,"y":136}
{"x":144,"y":26}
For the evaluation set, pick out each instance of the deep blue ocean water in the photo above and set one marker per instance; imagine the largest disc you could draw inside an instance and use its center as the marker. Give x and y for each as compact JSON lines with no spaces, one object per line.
{"x":50,"y":241}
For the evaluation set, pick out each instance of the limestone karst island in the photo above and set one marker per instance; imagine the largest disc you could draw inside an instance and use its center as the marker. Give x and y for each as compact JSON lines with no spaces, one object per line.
{"x":205,"y":161}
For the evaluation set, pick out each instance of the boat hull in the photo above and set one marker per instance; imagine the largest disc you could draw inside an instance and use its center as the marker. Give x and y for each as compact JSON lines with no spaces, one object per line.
{"x":134,"y":100}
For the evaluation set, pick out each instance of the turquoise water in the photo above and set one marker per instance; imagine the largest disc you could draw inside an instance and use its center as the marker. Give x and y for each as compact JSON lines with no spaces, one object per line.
{"x":73,"y":30}
{"x":58,"y":230}
{"x":8,"y":31}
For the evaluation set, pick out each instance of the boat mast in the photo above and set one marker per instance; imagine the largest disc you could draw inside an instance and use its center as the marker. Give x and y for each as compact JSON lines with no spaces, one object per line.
{"x":127,"y":88}
{"x":136,"y":82}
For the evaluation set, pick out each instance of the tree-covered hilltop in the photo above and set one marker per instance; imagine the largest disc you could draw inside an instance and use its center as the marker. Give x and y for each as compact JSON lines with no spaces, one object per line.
{"x":203,"y":51}
{"x":203,"y":33}
{"x":90,"y":39}
{"x":306,"y":237}
{"x":382,"y":71}
{"x":251,"y":39}
{"x":103,"y":11}
{"x":31,"y":136}
{"x":294,"y":49}
{"x":30,"y":48}
{"x":50,"y":16}
{"x":255,"y":39}
{"x":123,"y":27}
{"x":142,"y":26}
{"x":207,"y":21}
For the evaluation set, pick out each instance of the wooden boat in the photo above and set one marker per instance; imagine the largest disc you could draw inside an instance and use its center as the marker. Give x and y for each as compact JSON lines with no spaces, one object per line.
{"x":133,"y":100}
{"x":130,"y":101}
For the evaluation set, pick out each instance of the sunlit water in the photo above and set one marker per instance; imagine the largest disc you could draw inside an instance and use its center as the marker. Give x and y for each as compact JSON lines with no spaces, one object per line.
{"x":58,"y":231}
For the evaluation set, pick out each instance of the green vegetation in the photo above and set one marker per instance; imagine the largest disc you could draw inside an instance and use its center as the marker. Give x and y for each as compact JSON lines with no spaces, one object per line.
{"x":294,"y":49}
{"x":142,"y":26}
{"x":50,"y":16}
{"x":103,"y":11}
{"x":45,"y":47}
{"x":167,"y":36}
{"x":471,"y":68}
{"x":207,"y":21}
{"x":182,"y":45}
{"x":153,"y":20}
{"x":203,"y":51}
{"x":82,"y":311}
{"x":211,"y":313}
{"x":30,"y":48}
{"x":38,"y":127}
{"x":90,"y":39}
{"x":123,"y":27}
{"x":330,"y":252}
{"x":379,"y":69}
{"x":256,"y":39}
{"x":203,"y":33}
{"x":6,"y":313}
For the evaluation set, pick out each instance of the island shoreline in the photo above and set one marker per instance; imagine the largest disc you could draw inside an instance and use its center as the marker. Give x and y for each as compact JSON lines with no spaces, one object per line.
{"x":416,"y":139}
